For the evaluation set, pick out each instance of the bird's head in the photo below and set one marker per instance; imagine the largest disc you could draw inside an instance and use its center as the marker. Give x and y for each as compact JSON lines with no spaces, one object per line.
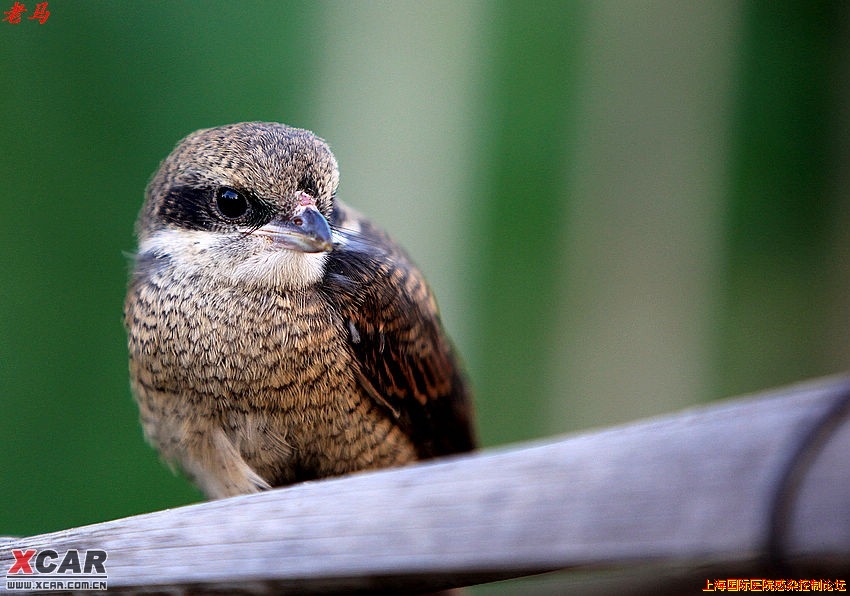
{"x":248,"y":202}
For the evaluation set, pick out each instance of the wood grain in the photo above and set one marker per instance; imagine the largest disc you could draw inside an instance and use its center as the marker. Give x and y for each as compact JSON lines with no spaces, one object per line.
{"x":760,"y":484}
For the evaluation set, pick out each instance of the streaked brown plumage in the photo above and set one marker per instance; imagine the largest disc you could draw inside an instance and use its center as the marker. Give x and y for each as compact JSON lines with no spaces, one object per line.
{"x":268,"y":347}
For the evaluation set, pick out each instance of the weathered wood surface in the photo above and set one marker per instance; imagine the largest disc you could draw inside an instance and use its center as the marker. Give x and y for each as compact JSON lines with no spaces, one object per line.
{"x":759,"y":485}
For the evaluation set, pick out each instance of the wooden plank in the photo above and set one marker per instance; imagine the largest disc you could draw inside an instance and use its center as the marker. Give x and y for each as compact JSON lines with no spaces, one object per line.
{"x":695,"y":491}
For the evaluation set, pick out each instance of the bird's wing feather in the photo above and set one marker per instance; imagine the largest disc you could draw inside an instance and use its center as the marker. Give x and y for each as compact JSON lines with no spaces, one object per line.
{"x":406,"y":363}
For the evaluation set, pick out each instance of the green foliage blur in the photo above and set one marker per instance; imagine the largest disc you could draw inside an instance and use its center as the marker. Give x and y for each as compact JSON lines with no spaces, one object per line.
{"x":624,"y":208}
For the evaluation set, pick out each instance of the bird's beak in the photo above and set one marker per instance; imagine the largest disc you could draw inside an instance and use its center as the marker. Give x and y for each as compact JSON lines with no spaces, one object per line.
{"x":306,"y":231}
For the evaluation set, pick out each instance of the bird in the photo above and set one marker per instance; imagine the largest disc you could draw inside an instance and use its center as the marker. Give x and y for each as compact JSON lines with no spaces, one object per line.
{"x":276,"y":335}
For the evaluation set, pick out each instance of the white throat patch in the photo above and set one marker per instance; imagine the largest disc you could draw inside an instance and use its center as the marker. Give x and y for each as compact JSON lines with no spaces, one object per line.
{"x":241,"y":258}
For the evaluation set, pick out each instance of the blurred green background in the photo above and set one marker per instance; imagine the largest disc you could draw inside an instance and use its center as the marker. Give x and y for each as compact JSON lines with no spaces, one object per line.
{"x":624,"y":208}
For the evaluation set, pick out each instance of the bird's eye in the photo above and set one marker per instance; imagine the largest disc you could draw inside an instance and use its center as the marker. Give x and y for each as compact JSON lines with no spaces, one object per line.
{"x":232,"y":204}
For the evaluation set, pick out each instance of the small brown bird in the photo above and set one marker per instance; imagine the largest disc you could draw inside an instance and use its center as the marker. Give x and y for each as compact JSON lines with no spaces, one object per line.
{"x":275,"y":335}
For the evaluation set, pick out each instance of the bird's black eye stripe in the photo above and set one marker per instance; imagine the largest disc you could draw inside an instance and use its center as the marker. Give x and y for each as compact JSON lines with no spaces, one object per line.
{"x":216,"y":208}
{"x":308,"y":185}
{"x":231,"y":203}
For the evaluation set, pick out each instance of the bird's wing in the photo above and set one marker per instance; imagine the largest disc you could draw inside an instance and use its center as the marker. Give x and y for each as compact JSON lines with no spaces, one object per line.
{"x":406,"y":362}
